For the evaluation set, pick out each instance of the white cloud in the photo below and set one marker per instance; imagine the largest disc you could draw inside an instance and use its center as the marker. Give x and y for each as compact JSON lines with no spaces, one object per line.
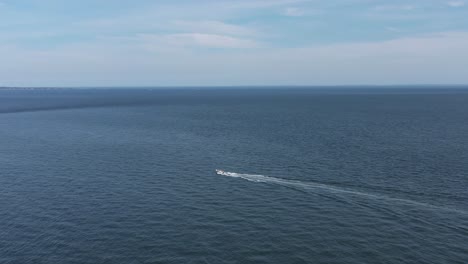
{"x":395,"y":7}
{"x":456,"y":3}
{"x":260,"y":3}
{"x":212,"y":27}
{"x":155,"y":41}
{"x":393,"y":29}
{"x":293,"y":12}
{"x":436,"y":58}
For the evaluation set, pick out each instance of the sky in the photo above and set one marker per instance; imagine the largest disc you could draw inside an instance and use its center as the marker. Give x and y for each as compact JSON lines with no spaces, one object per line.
{"x":232,"y":42}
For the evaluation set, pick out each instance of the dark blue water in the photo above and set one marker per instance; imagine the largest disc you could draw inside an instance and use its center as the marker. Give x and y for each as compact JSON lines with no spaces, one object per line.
{"x":315,"y":176}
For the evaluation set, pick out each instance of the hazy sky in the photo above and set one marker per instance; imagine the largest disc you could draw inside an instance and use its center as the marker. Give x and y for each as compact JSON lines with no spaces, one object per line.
{"x":232,"y":42}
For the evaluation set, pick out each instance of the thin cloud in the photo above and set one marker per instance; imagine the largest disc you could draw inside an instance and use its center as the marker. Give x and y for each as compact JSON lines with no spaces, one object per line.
{"x":395,"y":7}
{"x":435,"y":58}
{"x":293,"y":12}
{"x":196,"y":40}
{"x":456,"y":3}
{"x":393,"y":29}
{"x":212,"y":27}
{"x":260,"y":3}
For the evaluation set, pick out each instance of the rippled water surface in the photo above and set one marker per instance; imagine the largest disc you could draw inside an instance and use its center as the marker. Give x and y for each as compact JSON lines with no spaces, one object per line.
{"x":311,"y":176}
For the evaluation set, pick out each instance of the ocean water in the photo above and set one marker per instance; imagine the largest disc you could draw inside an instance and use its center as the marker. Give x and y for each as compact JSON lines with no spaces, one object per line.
{"x":331,"y":175}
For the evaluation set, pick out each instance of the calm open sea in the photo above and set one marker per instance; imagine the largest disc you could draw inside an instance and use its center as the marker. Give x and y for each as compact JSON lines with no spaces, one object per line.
{"x":324,"y":175}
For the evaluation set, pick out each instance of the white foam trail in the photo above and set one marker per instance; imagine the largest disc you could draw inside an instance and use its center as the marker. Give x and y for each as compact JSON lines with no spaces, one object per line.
{"x":333,"y":189}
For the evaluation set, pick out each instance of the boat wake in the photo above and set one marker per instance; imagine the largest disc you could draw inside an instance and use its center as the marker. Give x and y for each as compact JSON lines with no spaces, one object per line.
{"x":329,"y":188}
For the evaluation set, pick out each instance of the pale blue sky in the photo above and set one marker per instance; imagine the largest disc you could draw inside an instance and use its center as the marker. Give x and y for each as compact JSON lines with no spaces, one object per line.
{"x":227,"y":42}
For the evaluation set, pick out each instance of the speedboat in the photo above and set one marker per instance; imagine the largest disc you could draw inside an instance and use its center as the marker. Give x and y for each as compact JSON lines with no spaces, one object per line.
{"x":220,"y":172}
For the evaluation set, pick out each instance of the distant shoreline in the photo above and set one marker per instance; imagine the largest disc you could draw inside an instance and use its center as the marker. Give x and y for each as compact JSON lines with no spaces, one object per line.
{"x":364,"y":86}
